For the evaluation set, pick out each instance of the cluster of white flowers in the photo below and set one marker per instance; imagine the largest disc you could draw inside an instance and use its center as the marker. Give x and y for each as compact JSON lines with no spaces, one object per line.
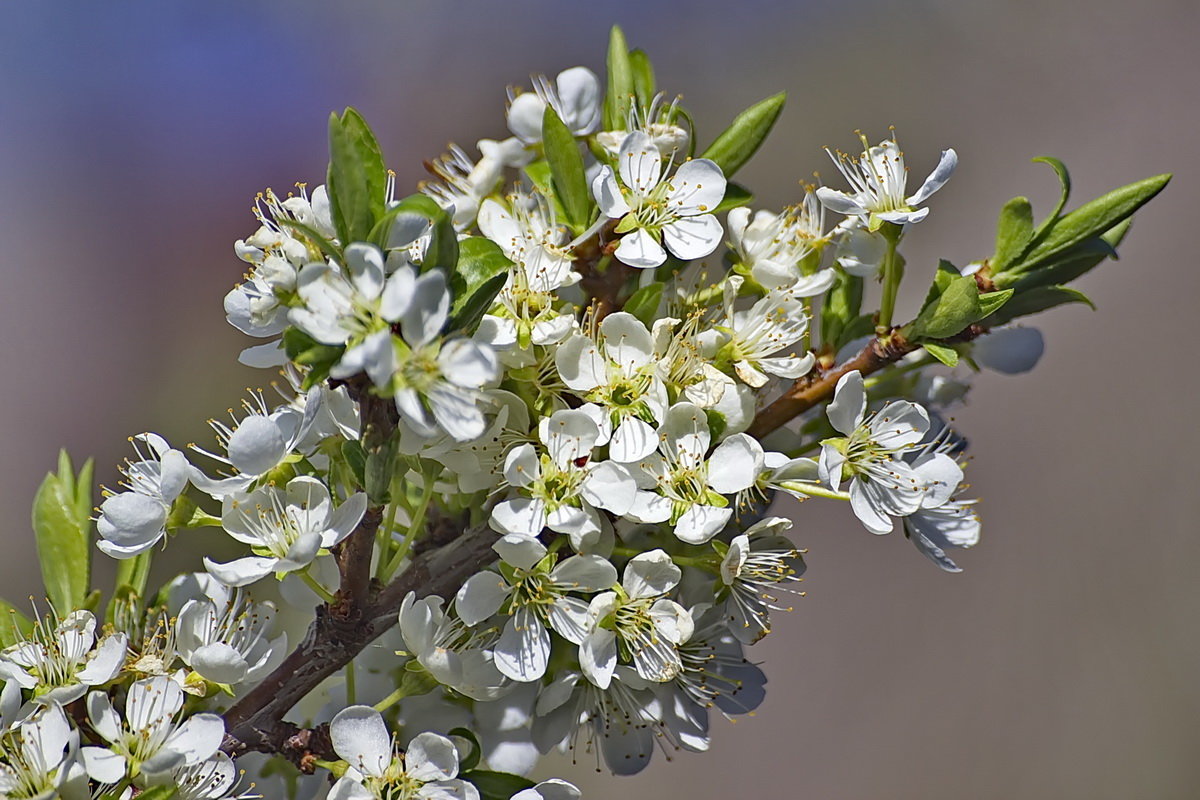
{"x":540,"y":357}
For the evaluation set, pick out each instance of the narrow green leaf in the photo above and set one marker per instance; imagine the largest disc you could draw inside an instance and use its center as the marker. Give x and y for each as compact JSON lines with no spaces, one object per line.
{"x":356,"y":459}
{"x":357,"y":181}
{"x":566,"y":170}
{"x":643,"y":304}
{"x":954,"y":309}
{"x":1066,"y":267}
{"x":946,"y":355}
{"x":991,"y":302}
{"x":443,"y":242}
{"x":1092,"y":219}
{"x":496,"y":785}
{"x":315,"y":239}
{"x":735,"y":195}
{"x":1014,"y":231}
{"x":538,"y":173}
{"x":621,"y":87}
{"x":1036,"y":300}
{"x":738,"y":143}
{"x":471,"y":760}
{"x":1064,"y":180}
{"x":477,"y":304}
{"x":14,"y":626}
{"x":63,"y":538}
{"x":842,"y":305}
{"x":134,"y":573}
{"x":643,"y":77}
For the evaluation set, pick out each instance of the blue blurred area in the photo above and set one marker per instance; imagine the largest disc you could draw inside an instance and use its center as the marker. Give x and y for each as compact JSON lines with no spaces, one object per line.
{"x":1062,"y":664}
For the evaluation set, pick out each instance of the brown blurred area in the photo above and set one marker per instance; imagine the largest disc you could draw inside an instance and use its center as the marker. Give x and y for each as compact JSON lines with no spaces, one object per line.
{"x":1062,"y":663}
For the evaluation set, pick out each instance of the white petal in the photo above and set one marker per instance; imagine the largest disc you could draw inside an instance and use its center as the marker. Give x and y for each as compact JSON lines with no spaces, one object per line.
{"x":521,"y":552}
{"x":480,"y":597}
{"x":693,"y":237}
{"x":639,"y":162}
{"x":197,"y":738}
{"x":523,"y":649}
{"x":849,"y":403}
{"x":939,"y":476}
{"x":598,"y":657}
{"x":650,"y":574}
{"x":361,"y":738}
{"x":257,"y":445}
{"x":610,"y":486}
{"x":457,"y":412}
{"x":585,"y":573}
{"x":700,"y":523}
{"x":867,"y":508}
{"x":937,"y":179}
{"x":579,"y":96}
{"x":1010,"y":351}
{"x":525,"y":117}
{"x":430,"y":757}
{"x":107,"y":661}
{"x":649,"y":507}
{"x":345,"y":519}
{"x":521,"y":465}
{"x":467,"y":363}
{"x":580,"y":364}
{"x":640,"y":249}
{"x":569,"y":617}
{"x":241,"y":572}
{"x":219,"y":663}
{"x":697,"y":187}
{"x":632,"y":441}
{"x":429,"y":310}
{"x":627,"y":342}
{"x":735,"y":464}
{"x":608,"y":195}
{"x":521,"y":515}
{"x":569,"y":435}
{"x":840,"y":202}
{"x":103,"y":765}
{"x":790,"y":367}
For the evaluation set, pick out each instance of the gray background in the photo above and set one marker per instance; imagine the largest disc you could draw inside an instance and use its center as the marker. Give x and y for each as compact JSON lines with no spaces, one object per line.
{"x":1063,"y":662}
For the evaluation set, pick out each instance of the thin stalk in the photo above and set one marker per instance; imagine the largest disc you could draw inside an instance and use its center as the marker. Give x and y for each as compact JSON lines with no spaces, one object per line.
{"x":312,"y":583}
{"x":814,"y":490}
{"x":418,"y":522}
{"x":891,"y":278}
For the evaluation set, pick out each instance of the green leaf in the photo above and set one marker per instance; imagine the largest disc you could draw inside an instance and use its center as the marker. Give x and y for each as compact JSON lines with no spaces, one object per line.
{"x":841,"y":306}
{"x":477,"y":305}
{"x":357,"y":181}
{"x":14,"y":626}
{"x":735,"y":195}
{"x":496,"y":785}
{"x":538,"y":173}
{"x":479,"y":276}
{"x":990,"y":302}
{"x":62,"y":523}
{"x":946,"y":355}
{"x":860,"y":326}
{"x":954,"y":309}
{"x":134,"y":573}
{"x":1014,"y":231}
{"x":308,"y":352}
{"x":443,"y":242}
{"x":644,"y":303}
{"x":316,"y":239}
{"x":471,"y":760}
{"x":621,"y":87}
{"x":741,"y":139}
{"x":1092,"y":219}
{"x":1064,"y":180}
{"x":643,"y":78}
{"x":356,"y":459}
{"x":716,"y":422}
{"x":1036,"y":300}
{"x":566,"y":170}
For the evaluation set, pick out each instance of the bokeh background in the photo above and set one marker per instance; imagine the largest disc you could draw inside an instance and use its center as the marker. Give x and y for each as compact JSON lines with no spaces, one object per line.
{"x":1063,"y":663}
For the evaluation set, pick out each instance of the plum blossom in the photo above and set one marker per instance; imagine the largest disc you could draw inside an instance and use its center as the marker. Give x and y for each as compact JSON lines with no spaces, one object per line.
{"x":38,"y":759}
{"x":773,"y":247}
{"x":448,"y":650}
{"x":562,"y":488}
{"x":286,"y":528}
{"x":133,"y":521}
{"x":683,"y":485}
{"x":657,"y":211}
{"x":575,"y":96}
{"x":758,"y":562}
{"x":58,"y":664}
{"x":536,"y":595}
{"x":227,"y":639}
{"x":637,"y":623}
{"x":755,"y":336}
{"x":877,"y":179}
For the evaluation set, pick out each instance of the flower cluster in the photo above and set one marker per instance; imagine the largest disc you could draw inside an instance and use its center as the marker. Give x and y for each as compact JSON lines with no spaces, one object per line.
{"x":533,"y":419}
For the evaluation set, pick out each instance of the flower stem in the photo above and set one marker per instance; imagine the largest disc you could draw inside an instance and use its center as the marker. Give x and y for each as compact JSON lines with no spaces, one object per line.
{"x":892,"y":273}
{"x":814,"y":490}
{"x":418,"y":522}
{"x":321,"y":591}
{"x":391,"y":699}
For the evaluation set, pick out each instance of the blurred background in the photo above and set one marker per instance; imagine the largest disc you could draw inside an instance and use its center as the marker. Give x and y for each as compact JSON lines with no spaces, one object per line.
{"x":1063,"y":663}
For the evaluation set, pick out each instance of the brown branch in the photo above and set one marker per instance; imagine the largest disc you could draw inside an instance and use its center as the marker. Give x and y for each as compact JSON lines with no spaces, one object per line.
{"x":818,"y":387}
{"x":255,"y":723}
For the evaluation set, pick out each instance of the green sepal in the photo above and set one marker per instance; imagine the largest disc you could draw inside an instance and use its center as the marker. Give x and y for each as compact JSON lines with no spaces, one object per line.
{"x":745,"y":135}
{"x":356,"y":459}
{"x":357,"y":182}
{"x":1090,"y":220}
{"x":496,"y":785}
{"x":62,"y":510}
{"x":621,"y":87}
{"x":643,"y":77}
{"x":14,"y":626}
{"x":736,"y":195}
{"x":566,"y":170}
{"x":308,"y":352}
{"x":1036,"y":300}
{"x":1014,"y":231}
{"x":644,"y":303}
{"x":946,"y":355}
{"x":716,"y":422}
{"x":470,"y":760}
{"x":956,"y":307}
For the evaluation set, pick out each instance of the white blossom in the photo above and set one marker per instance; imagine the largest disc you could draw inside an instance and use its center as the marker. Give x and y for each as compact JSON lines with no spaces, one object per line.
{"x":38,"y":759}
{"x":755,"y":336}
{"x":449,"y":652}
{"x":57,"y":664}
{"x":133,"y":521}
{"x":536,"y":596}
{"x":772,"y":247}
{"x":675,"y":211}
{"x":877,"y":179}
{"x":575,"y":96}
{"x":757,"y":563}
{"x":286,"y":528}
{"x":227,"y":640}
